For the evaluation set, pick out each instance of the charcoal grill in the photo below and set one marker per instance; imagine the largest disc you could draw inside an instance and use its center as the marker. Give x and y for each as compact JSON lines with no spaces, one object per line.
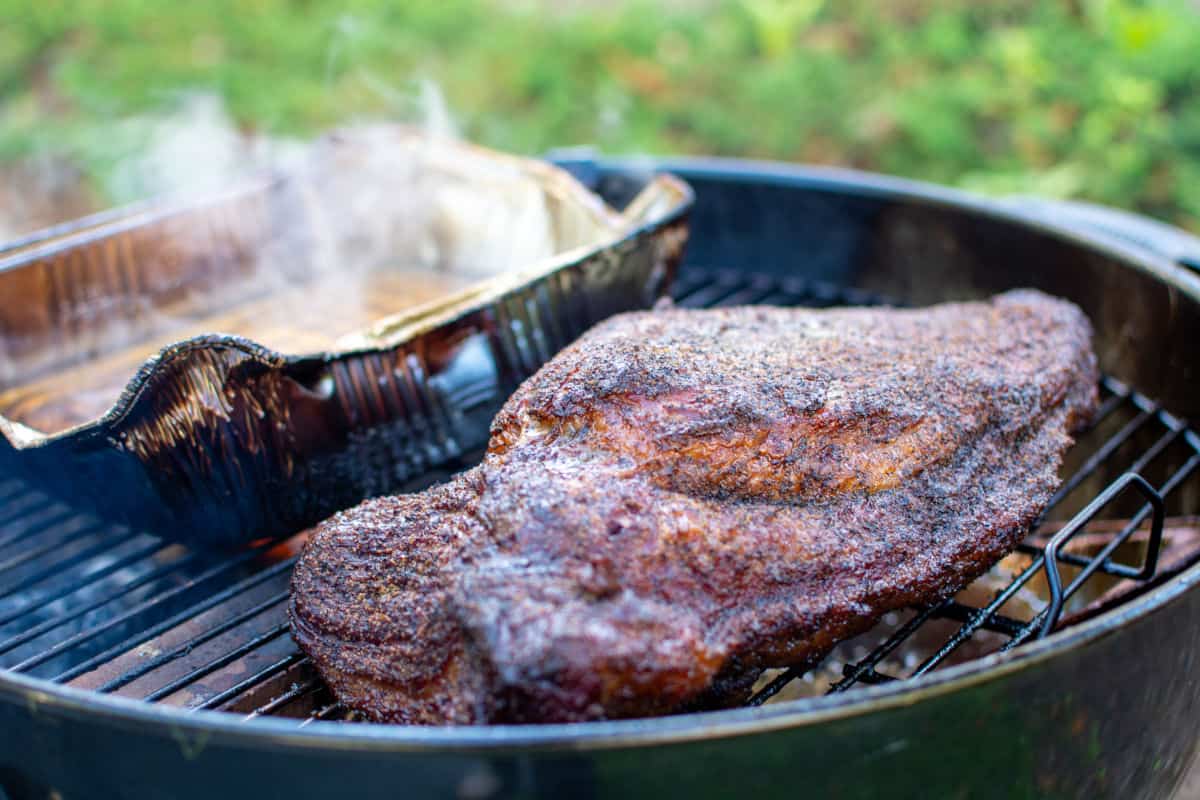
{"x":134,"y":667}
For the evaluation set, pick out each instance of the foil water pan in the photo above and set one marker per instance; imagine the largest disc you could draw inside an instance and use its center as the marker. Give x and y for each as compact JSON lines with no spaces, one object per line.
{"x":221,"y":438}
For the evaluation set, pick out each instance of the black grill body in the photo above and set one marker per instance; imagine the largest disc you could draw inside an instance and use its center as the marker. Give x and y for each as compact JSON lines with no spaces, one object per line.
{"x":138,"y":668}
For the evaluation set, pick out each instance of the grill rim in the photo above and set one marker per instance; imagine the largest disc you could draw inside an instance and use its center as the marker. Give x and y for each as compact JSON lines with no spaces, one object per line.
{"x":38,"y":694}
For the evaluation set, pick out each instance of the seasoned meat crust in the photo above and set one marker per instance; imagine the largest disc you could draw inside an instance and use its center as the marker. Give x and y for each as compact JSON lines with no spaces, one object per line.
{"x":682,"y":499}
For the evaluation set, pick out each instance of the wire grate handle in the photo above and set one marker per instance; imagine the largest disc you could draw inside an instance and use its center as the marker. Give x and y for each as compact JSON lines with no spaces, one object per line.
{"x":1155,"y":504}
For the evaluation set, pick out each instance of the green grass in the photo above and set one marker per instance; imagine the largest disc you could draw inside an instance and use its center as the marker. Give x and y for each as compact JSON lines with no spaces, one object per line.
{"x":1098,"y":99}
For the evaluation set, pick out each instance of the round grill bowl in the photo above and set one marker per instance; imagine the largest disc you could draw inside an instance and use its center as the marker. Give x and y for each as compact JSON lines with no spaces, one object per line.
{"x":1104,"y":708}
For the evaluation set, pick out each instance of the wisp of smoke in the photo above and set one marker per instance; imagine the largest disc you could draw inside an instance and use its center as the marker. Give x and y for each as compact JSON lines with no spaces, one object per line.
{"x":355,"y":226}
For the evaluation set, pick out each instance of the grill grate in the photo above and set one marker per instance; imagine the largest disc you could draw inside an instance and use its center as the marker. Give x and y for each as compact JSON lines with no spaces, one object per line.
{"x":121,"y":612}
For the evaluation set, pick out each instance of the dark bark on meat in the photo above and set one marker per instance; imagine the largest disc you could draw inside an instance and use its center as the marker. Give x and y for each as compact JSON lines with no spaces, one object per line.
{"x":682,"y":499}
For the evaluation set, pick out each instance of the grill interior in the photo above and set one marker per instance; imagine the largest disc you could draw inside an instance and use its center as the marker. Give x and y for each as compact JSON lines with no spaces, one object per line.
{"x":119,"y":611}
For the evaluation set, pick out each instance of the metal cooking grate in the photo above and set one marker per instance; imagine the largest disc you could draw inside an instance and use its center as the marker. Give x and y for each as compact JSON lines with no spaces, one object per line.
{"x":121,"y":612}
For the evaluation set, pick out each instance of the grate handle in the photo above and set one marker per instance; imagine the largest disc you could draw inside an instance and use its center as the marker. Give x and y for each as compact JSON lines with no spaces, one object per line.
{"x":1059,"y":594}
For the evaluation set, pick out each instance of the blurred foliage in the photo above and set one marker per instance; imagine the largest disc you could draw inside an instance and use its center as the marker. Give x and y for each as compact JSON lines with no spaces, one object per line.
{"x":1098,"y":99}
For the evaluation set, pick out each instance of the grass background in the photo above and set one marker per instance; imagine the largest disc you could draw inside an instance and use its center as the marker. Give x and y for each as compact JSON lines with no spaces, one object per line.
{"x":1095,"y":99}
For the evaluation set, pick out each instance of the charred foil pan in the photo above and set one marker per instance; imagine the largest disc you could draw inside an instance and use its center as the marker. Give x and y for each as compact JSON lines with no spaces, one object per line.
{"x":314,"y":337}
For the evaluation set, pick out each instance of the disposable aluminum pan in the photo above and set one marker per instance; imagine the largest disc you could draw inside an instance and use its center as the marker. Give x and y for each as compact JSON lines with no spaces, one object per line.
{"x":220,"y":438}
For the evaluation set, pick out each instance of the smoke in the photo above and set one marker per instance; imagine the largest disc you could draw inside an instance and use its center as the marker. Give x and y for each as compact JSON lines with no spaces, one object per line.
{"x":355,"y":225}
{"x":41,"y":190}
{"x":368,"y":195}
{"x":191,"y":145}
{"x":194,"y":147}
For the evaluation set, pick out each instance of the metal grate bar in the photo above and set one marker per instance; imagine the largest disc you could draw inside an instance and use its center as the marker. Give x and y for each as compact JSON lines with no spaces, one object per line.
{"x":59,"y":567}
{"x":688,"y":282}
{"x":1146,"y":572}
{"x":1044,"y":618}
{"x":873,"y":678}
{"x":1047,"y":619}
{"x":84,"y":527}
{"x":145,"y":605}
{"x":709,"y":295}
{"x":997,"y":623}
{"x":748,"y":293}
{"x":1106,"y":565}
{"x":223,"y":660}
{"x":1109,"y":405}
{"x":13,"y":509}
{"x":238,"y":689}
{"x":1101,"y":456}
{"x":852,"y":674}
{"x":36,"y":521}
{"x":325,"y":712}
{"x":979,"y":618}
{"x":83,"y":611}
{"x":297,"y":691}
{"x":186,"y":647}
{"x":331,"y":710}
{"x":776,"y":685}
{"x":10,"y":487}
{"x":87,"y":580}
{"x":171,"y":622}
